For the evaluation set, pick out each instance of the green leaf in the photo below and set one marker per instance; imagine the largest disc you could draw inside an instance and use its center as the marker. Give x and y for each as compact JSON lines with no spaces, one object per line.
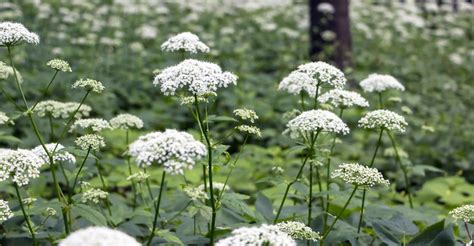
{"x":90,"y":214}
{"x":169,"y":237}
{"x":213,"y":118}
{"x":436,"y":234}
{"x":385,"y":235}
{"x":264,"y":206}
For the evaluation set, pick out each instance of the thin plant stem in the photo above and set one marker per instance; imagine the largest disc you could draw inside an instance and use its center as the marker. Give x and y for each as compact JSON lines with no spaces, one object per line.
{"x":18,"y":84}
{"x":148,"y":186}
{"x":359,"y":226}
{"x":130,"y":172}
{"x":76,"y":178}
{"x":302,"y":101}
{"x":310,"y":198}
{"x":233,"y":167}
{"x":180,"y":211}
{"x":25,"y":215}
{"x":468,"y":231}
{"x":205,"y":132}
{"x":45,"y":91}
{"x":380,"y":100}
{"x":403,"y":167}
{"x":157,"y":209}
{"x":102,"y":180}
{"x":51,"y":128}
{"x":340,"y":213}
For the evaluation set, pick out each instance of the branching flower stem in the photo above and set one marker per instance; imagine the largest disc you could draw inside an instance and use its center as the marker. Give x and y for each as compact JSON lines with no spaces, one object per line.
{"x":339,"y":214}
{"x":403,"y":167}
{"x":25,"y":215}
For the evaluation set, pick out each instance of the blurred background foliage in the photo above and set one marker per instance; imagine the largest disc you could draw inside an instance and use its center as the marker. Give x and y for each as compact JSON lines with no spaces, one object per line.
{"x":429,"y":48}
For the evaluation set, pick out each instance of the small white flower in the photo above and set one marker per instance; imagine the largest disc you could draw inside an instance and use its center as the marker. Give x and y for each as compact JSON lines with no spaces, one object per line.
{"x":15,"y":33}
{"x":197,"y":77}
{"x":61,"y":110}
{"x":59,"y":65}
{"x":139,"y":176}
{"x":316,"y":120}
{"x":380,"y":82}
{"x":29,"y":200}
{"x":356,"y":174}
{"x":258,"y":236}
{"x":324,"y":73}
{"x":195,"y":194}
{"x":298,"y":231}
{"x":126,"y":121}
{"x":60,"y":155}
{"x":216,"y":186}
{"x":246,"y":114}
{"x":343,"y":99}
{"x":95,"y":142}
{"x":296,"y":82}
{"x":185,"y":41}
{"x":3,"y":118}
{"x":464,"y":213}
{"x":20,"y":165}
{"x":252,"y":130}
{"x":92,"y":124}
{"x":7,"y":71}
{"x":94,"y":195}
{"x":98,"y":236}
{"x":385,"y":119}
{"x":89,"y":84}
{"x":51,"y":211}
{"x":5,"y":211}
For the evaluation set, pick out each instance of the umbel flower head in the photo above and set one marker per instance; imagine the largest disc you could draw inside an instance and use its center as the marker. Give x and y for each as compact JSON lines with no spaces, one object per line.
{"x":126,"y":121}
{"x":195,"y":194}
{"x":251,"y":130}
{"x":343,"y":99}
{"x":312,"y":75}
{"x":298,"y":231}
{"x":246,"y":114}
{"x":15,"y":33}
{"x":92,"y":124}
{"x":173,"y":149}
{"x":98,"y":236}
{"x":197,"y":77}
{"x":356,"y":174}
{"x":380,"y":82}
{"x":5,"y":211}
{"x":216,"y":186}
{"x":314,"y":121}
{"x":94,"y":195}
{"x":60,"y":155}
{"x":464,"y":213}
{"x":92,"y":141}
{"x":263,"y":235}
{"x":384,"y":119}
{"x":7,"y":71}
{"x":19,"y":165}
{"x":59,"y":65}
{"x":3,"y":118}
{"x":185,"y":41}
{"x":89,"y":84}
{"x":61,"y":110}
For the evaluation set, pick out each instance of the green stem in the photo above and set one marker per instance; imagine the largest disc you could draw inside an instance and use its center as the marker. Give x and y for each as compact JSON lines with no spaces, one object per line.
{"x":361,"y":212}
{"x":25,"y":215}
{"x":302,"y":101}
{"x":157,"y":209}
{"x":51,"y":128}
{"x":77,"y":175}
{"x":233,"y":167}
{"x":403,"y":167}
{"x":380,"y":100}
{"x":45,"y":90}
{"x":468,"y":231}
{"x":340,"y":213}
{"x":18,"y":84}
{"x":180,"y":211}
{"x":310,"y":198}
{"x":130,"y":172}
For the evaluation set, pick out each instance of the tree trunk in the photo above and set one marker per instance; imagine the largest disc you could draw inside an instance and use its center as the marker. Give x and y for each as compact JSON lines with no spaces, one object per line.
{"x":325,"y":24}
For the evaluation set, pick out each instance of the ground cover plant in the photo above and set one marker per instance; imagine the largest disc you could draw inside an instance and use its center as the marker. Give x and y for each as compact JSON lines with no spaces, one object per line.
{"x":149,"y":123}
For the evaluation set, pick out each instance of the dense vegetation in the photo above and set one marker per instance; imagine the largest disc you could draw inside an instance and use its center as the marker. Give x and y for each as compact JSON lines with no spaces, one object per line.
{"x":429,"y":49}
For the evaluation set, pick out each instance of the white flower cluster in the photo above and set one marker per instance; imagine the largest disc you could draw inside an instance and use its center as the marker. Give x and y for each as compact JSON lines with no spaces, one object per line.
{"x":343,"y":99}
{"x":380,"y":82}
{"x":252,"y":130}
{"x":185,"y":41}
{"x":7,"y":71}
{"x":15,"y":33}
{"x":5,"y":211}
{"x":126,"y":121}
{"x":258,"y":236}
{"x":98,"y":236}
{"x":59,"y":65}
{"x":29,"y":201}
{"x":60,"y":155}
{"x":198,"y":77}
{"x":3,"y":118}
{"x":173,"y":149}
{"x":190,"y":100}
{"x":246,"y":114}
{"x":94,"y":195}
{"x":464,"y":213}
{"x":216,"y":186}
{"x":89,"y":84}
{"x":195,"y":194}
{"x":296,"y":82}
{"x":92,"y":124}
{"x":94,"y":141}
{"x":139,"y":176}
{"x":51,"y":211}
{"x":385,"y":119}
{"x":298,"y":231}
{"x":356,"y":174}
{"x":61,"y":110}
{"x":20,"y":165}
{"x":314,"y":121}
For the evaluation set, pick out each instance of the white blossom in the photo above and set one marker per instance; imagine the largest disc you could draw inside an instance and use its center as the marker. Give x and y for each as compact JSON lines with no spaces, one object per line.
{"x":356,"y":174}
{"x":464,"y":213}
{"x":20,"y":165}
{"x":324,"y":73}
{"x":126,"y":121}
{"x":93,"y":141}
{"x":3,"y":118}
{"x":92,"y":124}
{"x":15,"y":33}
{"x":185,"y":41}
{"x":313,"y":121}
{"x":195,"y":194}
{"x":100,"y":236}
{"x":59,"y":65}
{"x":197,"y":77}
{"x":94,"y":195}
{"x":380,"y":82}
{"x":216,"y":186}
{"x":60,"y":155}
{"x":5,"y":211}
{"x":298,"y":231}
{"x":173,"y":149}
{"x":343,"y":99}
{"x":252,"y":130}
{"x":139,"y":176}
{"x":246,"y":114}
{"x":296,"y":82}
{"x":385,"y":119}
{"x":257,"y":236}
{"x":61,"y":110}
{"x":89,"y":84}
